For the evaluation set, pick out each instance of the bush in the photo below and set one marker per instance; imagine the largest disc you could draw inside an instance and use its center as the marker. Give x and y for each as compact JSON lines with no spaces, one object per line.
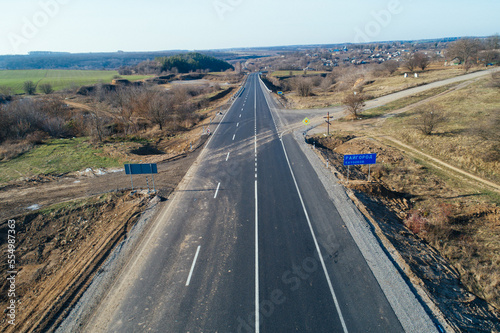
{"x":29,"y":87}
{"x":416,"y":222}
{"x":354,"y":103}
{"x":46,"y":88}
{"x":391,"y":66}
{"x":428,"y":118}
{"x":304,"y":87}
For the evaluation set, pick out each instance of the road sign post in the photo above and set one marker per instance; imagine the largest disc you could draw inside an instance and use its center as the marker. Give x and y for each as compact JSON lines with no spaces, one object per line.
{"x":141,"y":169}
{"x":360,"y":159}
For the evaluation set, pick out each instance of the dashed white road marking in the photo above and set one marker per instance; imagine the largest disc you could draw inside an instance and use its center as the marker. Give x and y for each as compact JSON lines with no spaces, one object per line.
{"x":192,"y":266}
{"x":217,"y":191}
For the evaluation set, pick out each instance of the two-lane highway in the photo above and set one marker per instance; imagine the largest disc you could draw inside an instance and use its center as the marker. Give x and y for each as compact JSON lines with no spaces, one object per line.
{"x":250,"y":242}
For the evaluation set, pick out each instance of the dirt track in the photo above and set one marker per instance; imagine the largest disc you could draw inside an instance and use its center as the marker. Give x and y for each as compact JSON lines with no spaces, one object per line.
{"x":44,"y":191}
{"x":60,"y":253}
{"x":440,"y":164}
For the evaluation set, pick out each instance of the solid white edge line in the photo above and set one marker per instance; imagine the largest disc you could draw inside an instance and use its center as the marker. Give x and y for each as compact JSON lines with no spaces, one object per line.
{"x":257,"y":309}
{"x":334,"y":296}
{"x":337,"y":306}
{"x":217,"y":191}
{"x":192,"y":266}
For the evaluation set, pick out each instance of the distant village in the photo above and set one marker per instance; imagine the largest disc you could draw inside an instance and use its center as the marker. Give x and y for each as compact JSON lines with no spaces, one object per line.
{"x":325,"y":59}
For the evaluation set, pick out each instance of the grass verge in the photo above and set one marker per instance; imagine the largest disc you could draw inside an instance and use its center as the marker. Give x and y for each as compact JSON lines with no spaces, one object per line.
{"x":56,"y":157}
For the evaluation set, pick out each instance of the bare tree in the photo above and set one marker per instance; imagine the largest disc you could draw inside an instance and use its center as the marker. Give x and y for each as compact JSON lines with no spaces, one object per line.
{"x":421,"y":60}
{"x":493,"y":42}
{"x":96,"y":126}
{"x":410,"y":62}
{"x":159,"y":109}
{"x":391,"y":66}
{"x":303,"y":86}
{"x":428,"y":118}
{"x":354,"y":103}
{"x":123,"y":100}
{"x":466,"y":50}
{"x":29,"y":87}
{"x":46,"y":88}
{"x":490,"y":57}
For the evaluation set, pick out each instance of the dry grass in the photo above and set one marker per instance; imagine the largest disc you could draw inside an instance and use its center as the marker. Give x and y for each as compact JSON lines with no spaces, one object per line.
{"x":453,"y":216}
{"x":371,"y":83}
{"x":397,"y":82}
{"x":457,"y":216}
{"x":454,"y":142}
{"x":468,"y":235}
{"x":460,"y":219}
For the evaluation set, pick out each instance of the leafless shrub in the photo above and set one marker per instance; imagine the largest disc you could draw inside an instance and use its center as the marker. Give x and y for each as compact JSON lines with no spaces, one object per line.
{"x":487,"y":130}
{"x":96,"y":126}
{"x":354,"y":103}
{"x":303,"y":86}
{"x":416,"y":222}
{"x":36,"y":138}
{"x":391,"y":66}
{"x":24,"y":117}
{"x":316,"y":81}
{"x":327,"y":82}
{"x":54,"y":126}
{"x":428,"y":118}
{"x":11,"y":150}
{"x":46,"y":88}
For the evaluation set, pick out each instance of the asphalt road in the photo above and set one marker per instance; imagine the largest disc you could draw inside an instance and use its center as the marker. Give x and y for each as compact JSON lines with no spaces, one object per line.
{"x":250,"y":243}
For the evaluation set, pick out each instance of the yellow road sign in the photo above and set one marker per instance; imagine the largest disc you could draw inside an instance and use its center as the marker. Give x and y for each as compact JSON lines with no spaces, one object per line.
{"x":306,"y":121}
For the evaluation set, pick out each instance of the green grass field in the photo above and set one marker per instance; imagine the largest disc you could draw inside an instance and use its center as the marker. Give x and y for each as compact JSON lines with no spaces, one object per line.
{"x":59,"y":79}
{"x":56,"y":157}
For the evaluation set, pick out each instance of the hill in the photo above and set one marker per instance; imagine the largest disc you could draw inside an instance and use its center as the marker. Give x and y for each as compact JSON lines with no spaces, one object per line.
{"x":186,"y":63}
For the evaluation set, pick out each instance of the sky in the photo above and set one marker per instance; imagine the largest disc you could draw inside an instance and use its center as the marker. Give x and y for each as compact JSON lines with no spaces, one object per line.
{"x":156,"y":25}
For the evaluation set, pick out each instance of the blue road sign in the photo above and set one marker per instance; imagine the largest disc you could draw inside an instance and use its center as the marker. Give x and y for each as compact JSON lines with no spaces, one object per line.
{"x":140,"y":169}
{"x":360,"y":159}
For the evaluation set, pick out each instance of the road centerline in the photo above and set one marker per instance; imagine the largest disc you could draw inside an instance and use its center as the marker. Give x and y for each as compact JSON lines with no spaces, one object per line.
{"x":257,"y":309}
{"x":217,"y":191}
{"x":192,"y":266}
